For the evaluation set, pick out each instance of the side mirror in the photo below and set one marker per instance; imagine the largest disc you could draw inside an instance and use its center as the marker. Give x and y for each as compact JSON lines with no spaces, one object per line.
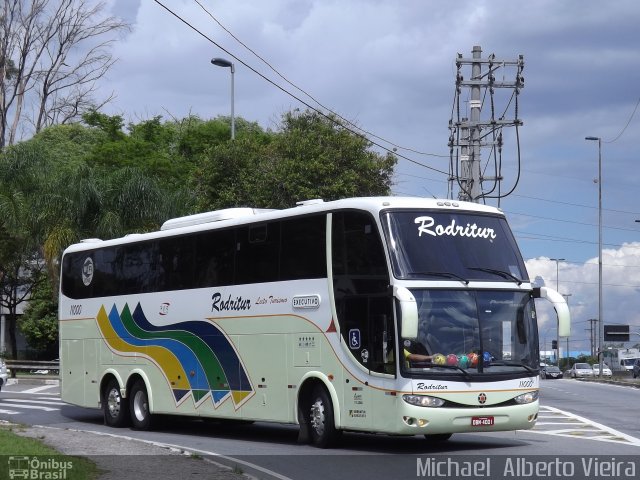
{"x":560,"y":306}
{"x":408,"y":312}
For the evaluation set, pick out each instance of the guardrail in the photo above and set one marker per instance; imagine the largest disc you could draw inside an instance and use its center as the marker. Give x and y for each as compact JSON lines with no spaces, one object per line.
{"x":33,"y":366}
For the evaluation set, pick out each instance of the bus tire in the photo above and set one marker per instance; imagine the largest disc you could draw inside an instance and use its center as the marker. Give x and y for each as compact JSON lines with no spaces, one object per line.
{"x":139,"y":406}
{"x":438,"y":437}
{"x":114,"y":408}
{"x":322,"y":429}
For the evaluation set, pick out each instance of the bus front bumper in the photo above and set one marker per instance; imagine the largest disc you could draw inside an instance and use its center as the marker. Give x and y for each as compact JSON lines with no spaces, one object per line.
{"x":414,"y":420}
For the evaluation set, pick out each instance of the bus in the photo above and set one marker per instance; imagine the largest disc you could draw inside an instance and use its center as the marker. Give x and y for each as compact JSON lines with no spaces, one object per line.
{"x":312,"y":315}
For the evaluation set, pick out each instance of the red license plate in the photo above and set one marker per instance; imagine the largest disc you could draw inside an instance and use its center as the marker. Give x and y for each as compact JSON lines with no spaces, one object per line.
{"x":481,"y":421}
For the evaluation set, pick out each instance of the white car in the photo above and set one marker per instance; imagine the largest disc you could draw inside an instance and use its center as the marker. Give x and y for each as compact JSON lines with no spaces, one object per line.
{"x":581,"y":370}
{"x":4,"y":374}
{"x":606,"y":371}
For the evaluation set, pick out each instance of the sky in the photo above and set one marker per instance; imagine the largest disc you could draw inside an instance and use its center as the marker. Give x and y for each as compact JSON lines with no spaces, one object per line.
{"x":389,"y":67}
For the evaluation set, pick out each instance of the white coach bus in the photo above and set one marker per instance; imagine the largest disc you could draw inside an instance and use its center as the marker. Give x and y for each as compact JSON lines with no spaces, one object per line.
{"x":394,"y":315}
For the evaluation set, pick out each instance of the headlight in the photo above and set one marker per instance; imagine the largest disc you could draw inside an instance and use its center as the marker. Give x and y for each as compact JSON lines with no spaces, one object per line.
{"x":423,"y":400}
{"x":525,"y":398}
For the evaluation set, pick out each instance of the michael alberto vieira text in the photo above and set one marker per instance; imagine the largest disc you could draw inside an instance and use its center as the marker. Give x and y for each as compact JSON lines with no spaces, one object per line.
{"x":522,"y":467}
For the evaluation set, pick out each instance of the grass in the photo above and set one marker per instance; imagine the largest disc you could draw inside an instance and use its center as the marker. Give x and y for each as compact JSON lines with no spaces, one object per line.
{"x":18,"y":452}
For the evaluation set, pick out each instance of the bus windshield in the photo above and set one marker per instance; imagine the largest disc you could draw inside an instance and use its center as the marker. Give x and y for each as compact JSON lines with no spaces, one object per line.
{"x":470,"y":333}
{"x":452,"y":245}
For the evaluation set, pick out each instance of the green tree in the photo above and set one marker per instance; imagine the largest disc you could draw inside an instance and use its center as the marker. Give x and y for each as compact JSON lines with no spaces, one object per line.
{"x":48,"y":202}
{"x":39,"y":324}
{"x":21,"y":170}
{"x":310,"y":156}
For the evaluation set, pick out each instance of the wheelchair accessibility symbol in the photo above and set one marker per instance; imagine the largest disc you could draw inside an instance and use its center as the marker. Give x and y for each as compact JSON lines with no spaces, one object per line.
{"x":354,"y":339}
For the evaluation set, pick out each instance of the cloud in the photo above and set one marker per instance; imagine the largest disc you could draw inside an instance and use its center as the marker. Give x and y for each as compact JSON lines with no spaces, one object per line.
{"x":620,"y":289}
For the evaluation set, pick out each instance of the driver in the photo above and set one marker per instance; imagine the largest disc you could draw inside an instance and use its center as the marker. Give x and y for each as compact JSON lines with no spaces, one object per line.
{"x":415,"y":352}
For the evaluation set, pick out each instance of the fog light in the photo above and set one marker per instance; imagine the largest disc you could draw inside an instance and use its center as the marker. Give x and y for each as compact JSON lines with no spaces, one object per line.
{"x":422,"y":422}
{"x":409,"y":421}
{"x":525,"y":398}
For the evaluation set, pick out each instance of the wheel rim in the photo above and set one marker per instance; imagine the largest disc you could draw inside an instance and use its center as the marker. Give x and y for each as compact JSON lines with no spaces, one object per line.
{"x":140,"y":407}
{"x":113,"y":403}
{"x":318,"y":417}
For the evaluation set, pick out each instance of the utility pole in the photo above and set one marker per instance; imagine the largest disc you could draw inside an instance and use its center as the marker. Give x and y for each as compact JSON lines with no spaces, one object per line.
{"x":469,"y":133}
{"x":593,"y":341}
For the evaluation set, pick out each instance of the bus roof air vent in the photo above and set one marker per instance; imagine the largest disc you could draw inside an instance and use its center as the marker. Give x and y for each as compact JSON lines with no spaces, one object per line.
{"x":208,"y":217}
{"x":91,"y":240}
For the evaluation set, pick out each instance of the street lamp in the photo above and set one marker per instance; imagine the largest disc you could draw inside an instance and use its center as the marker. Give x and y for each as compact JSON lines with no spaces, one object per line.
{"x":558,"y":260}
{"x":600,"y":321}
{"x":566,"y":297}
{"x":221,"y":62}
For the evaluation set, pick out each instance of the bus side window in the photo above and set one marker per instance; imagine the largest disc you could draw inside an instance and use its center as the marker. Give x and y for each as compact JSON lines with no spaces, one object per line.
{"x":303,"y":248}
{"x":215,"y":258}
{"x":258,"y":253}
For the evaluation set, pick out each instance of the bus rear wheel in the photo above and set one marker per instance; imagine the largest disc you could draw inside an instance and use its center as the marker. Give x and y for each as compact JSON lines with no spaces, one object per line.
{"x":139,"y":406}
{"x":322,"y":427}
{"x":114,"y":408}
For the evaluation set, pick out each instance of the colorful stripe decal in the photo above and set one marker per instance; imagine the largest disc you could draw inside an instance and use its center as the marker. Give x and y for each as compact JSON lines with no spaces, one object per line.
{"x":195,"y":356}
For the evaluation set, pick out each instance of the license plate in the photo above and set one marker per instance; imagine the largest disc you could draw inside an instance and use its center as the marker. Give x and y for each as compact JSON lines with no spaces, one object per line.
{"x":481,"y":421}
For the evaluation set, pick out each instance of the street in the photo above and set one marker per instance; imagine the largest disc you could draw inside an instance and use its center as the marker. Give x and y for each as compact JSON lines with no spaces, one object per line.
{"x":576,"y":418}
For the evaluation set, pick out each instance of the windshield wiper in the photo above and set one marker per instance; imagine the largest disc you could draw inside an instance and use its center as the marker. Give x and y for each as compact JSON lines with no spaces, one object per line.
{"x":512,"y":364}
{"x":443,"y":274}
{"x":455,"y":367}
{"x":500,"y":273}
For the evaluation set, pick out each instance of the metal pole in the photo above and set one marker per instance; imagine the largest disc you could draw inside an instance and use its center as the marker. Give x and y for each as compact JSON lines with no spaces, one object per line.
{"x":222,"y":62}
{"x":557,"y":260}
{"x":233,"y":123}
{"x":600,"y":319}
{"x":566,"y":297}
{"x":476,"y":106}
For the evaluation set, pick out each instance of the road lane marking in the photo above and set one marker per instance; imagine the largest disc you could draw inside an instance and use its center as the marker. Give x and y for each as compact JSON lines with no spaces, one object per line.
{"x":39,"y":389}
{"x":8,"y":412}
{"x":37,"y":402}
{"x":550,"y":418}
{"x":29,"y":407}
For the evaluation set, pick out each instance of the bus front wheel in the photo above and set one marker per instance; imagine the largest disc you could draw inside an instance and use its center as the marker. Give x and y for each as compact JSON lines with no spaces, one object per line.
{"x":114,"y":408}
{"x":139,"y":406}
{"x":322,"y":428}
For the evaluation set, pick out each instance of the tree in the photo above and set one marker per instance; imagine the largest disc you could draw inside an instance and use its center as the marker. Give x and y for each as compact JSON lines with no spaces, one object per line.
{"x":310,"y":156}
{"x":39,"y":324}
{"x":20,"y":174}
{"x":47,"y":203}
{"x":52,"y":53}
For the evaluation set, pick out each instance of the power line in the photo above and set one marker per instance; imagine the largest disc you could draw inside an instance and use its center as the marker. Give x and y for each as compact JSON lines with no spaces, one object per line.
{"x":555,"y":238}
{"x":300,"y":89}
{"x":571,"y":221}
{"x":575,"y":204}
{"x":320,"y":112}
{"x":625,"y":127}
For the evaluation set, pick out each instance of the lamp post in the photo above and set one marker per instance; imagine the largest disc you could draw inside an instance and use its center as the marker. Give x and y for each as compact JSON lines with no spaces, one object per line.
{"x":558,"y":260}
{"x":600,"y":320}
{"x":221,"y":62}
{"x":566,"y":297}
